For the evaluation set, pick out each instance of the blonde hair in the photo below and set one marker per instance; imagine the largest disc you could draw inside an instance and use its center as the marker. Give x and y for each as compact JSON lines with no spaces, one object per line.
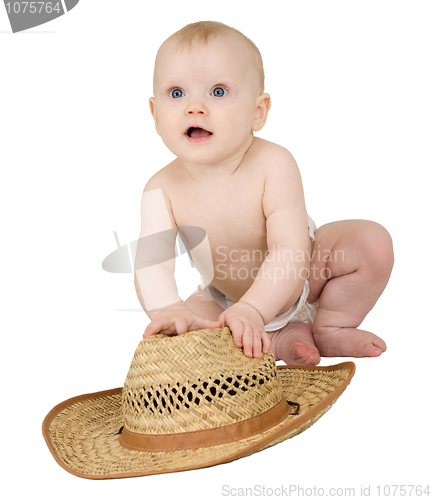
{"x":200,"y":33}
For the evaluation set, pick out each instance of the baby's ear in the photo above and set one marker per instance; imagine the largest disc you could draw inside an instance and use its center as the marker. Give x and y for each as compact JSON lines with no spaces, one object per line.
{"x":263,"y":105}
{"x":153,"y":112}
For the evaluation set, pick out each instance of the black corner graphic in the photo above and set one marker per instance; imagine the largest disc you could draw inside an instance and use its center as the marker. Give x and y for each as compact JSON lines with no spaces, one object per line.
{"x":25,"y":15}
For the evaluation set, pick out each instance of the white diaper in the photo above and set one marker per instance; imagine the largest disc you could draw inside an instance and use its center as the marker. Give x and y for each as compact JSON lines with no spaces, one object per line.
{"x":300,"y":312}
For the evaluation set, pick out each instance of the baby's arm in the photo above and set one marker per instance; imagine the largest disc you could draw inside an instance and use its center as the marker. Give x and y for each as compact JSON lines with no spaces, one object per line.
{"x":282,"y":274}
{"x":155,"y":264}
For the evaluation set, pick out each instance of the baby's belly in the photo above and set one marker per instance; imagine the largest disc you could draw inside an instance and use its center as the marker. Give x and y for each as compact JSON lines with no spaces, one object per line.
{"x":235,"y":269}
{"x":235,"y":262}
{"x":230,"y":260}
{"x":237,"y":243}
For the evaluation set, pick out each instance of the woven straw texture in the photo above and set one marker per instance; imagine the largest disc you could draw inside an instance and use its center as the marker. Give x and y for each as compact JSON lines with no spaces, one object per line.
{"x":82,"y":433}
{"x":167,"y":391}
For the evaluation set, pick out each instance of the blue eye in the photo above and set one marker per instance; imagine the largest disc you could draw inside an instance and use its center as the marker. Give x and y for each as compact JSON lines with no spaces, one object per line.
{"x":219,"y":92}
{"x":176,"y":93}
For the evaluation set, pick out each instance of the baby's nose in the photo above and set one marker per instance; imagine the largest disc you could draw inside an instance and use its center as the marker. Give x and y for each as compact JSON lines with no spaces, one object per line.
{"x":196,"y":107}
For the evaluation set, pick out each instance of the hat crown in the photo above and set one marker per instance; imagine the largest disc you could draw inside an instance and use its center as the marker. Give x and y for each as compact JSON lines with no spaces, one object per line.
{"x":196,"y":381}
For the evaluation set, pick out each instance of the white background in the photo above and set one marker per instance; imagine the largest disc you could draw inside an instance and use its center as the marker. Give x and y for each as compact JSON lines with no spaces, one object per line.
{"x":350,"y":85}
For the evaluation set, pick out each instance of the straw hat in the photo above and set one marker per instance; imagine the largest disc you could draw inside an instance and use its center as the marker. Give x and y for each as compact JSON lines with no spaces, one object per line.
{"x":189,"y":401}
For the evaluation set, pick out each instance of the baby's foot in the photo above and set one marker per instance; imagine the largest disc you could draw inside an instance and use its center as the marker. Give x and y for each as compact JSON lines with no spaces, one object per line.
{"x":350,"y":342}
{"x":294,"y":344}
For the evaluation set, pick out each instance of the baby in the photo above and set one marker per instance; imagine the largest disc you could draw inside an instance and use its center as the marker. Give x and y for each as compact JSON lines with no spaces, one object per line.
{"x":237,"y":200}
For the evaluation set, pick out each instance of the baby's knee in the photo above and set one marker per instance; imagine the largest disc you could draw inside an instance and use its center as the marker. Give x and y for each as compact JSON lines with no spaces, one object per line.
{"x":378,"y":249}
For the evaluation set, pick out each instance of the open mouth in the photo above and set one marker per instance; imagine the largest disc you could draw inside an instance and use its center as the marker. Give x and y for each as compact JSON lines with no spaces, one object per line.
{"x":197,"y":132}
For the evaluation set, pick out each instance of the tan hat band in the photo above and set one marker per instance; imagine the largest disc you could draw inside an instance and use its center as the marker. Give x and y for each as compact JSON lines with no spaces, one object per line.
{"x":208,"y":437}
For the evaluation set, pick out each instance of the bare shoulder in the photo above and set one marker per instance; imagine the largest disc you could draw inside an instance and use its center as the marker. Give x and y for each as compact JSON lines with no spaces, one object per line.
{"x":283,"y":187}
{"x":162,"y":179}
{"x":273,"y":158}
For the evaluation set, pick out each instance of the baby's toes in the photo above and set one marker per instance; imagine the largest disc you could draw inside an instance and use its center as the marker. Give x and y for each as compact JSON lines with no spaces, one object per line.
{"x":313,"y":358}
{"x":303,"y":355}
{"x":373,"y":347}
{"x":372,"y":351}
{"x":380,"y":344}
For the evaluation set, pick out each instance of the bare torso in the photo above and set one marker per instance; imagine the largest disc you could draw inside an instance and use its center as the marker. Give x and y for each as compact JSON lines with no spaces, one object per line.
{"x":231,"y":213}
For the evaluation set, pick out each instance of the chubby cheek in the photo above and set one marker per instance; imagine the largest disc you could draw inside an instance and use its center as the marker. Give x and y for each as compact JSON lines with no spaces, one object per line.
{"x":239,"y":118}
{"x":165,"y":118}
{"x":237,"y":128}
{"x":171,"y":142}
{"x":171,"y":138}
{"x":167,"y":126}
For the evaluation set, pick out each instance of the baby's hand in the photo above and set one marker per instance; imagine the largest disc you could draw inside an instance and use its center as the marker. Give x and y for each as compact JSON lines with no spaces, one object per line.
{"x":178,"y":319}
{"x":247,"y":327}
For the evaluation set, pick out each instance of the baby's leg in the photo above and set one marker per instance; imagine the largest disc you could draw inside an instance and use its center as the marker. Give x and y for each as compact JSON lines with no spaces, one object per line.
{"x":350,"y":268}
{"x":294,"y":344}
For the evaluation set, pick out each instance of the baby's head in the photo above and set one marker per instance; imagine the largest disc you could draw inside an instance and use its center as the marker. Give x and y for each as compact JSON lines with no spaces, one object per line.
{"x":208,"y":93}
{"x":198,"y":35}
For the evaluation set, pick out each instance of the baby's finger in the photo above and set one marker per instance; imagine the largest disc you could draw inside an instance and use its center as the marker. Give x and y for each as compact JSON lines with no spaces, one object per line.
{"x":237,"y":330}
{"x":157,"y":325}
{"x":248,"y":342}
{"x":221,"y":318}
{"x":214,"y":324}
{"x":266,"y":344}
{"x":257,"y":346}
{"x":181,"y":326}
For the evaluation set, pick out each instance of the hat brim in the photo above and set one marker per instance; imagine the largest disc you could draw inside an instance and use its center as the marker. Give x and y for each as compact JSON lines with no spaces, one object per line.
{"x":82,"y":432}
